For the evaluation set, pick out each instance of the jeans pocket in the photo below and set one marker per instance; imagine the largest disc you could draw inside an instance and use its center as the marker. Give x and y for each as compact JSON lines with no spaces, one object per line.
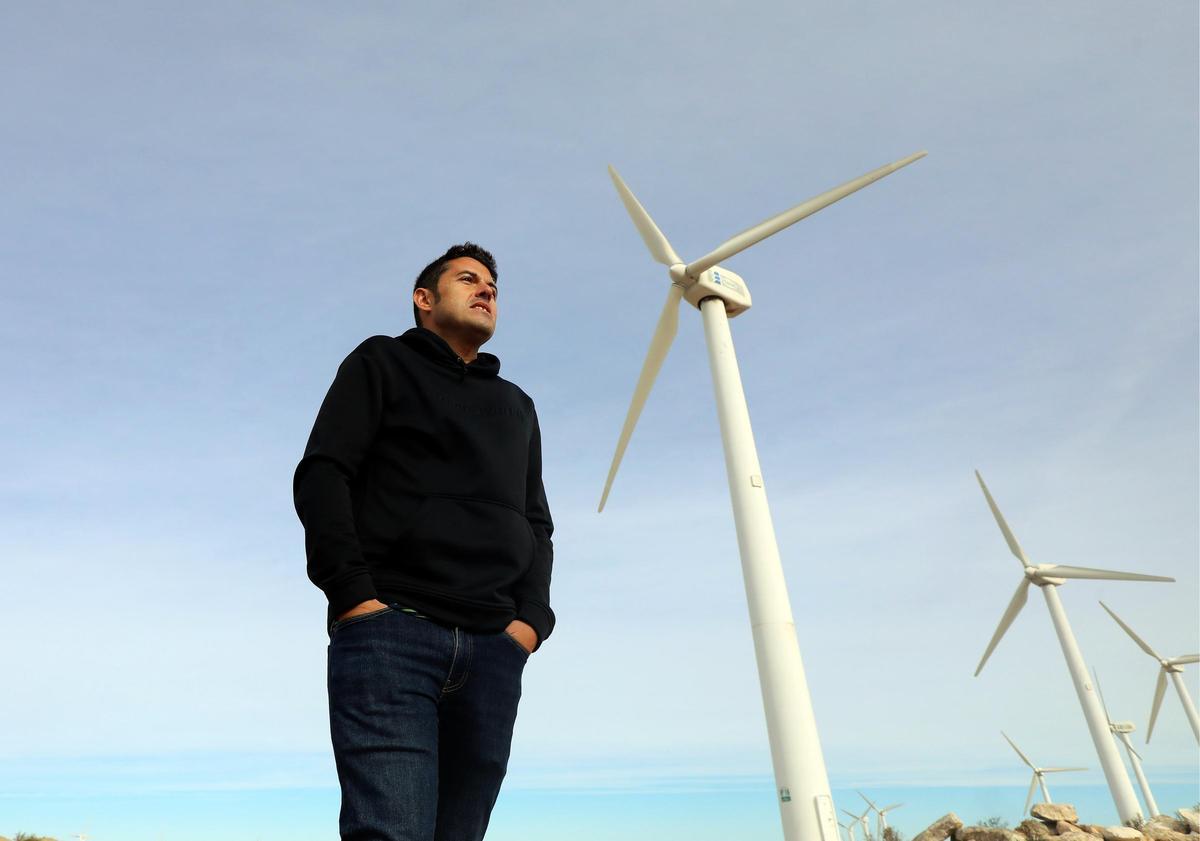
{"x":513,"y":642}
{"x":361,"y":617}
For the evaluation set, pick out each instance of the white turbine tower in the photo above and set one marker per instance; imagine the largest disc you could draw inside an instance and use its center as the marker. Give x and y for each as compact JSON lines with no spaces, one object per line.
{"x":1048,"y":578}
{"x":802,"y":785}
{"x":1122,"y":729}
{"x":1039,"y":774}
{"x":1167,"y":666}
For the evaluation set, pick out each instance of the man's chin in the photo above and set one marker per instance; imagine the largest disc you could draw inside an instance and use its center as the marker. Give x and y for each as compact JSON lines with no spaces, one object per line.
{"x":482,"y":332}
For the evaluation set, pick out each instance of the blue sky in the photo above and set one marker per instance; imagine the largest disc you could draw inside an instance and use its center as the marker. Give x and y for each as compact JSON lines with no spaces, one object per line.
{"x":206,"y":207}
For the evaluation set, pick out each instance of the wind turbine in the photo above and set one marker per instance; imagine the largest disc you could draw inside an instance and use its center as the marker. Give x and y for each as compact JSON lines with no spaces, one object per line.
{"x":861,"y":820}
{"x":883,"y":825}
{"x":1049,"y":577}
{"x":880,"y":814}
{"x":1122,"y":729}
{"x":802,"y":785}
{"x":1039,"y":774}
{"x":849,"y":827}
{"x":1166,"y":667}
{"x":871,"y":808}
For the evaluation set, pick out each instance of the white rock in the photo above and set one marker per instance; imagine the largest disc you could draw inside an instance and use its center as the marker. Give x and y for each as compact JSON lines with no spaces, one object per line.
{"x":1192,"y":817}
{"x":1054,"y":812}
{"x":1121,"y":833}
{"x":941,"y":829}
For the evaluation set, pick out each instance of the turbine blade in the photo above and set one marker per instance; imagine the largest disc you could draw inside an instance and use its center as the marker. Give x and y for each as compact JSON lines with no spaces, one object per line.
{"x":1024,"y":758}
{"x":777,"y":223}
{"x":1029,"y":797}
{"x":1184,"y":660}
{"x":660,"y":249}
{"x":1052,"y":770}
{"x":1159,"y":689}
{"x":1008,"y":535}
{"x":1010,"y":613}
{"x":1132,"y":750}
{"x":1142,"y":644}
{"x":1061,"y":571}
{"x":890,"y":808}
{"x":664,"y":334}
{"x":870,"y":803}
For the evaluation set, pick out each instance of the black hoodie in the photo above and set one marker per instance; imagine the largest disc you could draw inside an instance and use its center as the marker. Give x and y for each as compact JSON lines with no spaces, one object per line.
{"x":422,"y":484}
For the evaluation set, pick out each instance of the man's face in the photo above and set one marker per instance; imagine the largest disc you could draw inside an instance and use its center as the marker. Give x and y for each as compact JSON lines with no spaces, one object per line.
{"x":466,"y":302}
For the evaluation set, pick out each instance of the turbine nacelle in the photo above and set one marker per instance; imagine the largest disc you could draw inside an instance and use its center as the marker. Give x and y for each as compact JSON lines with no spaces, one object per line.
{"x":720,"y":283}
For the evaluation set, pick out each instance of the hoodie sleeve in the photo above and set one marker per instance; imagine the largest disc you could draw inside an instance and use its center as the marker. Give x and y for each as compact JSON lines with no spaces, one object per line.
{"x":532,"y":593}
{"x":341,"y":436}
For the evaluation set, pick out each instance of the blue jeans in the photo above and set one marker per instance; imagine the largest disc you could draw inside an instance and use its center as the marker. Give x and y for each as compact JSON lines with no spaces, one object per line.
{"x":421,"y":718}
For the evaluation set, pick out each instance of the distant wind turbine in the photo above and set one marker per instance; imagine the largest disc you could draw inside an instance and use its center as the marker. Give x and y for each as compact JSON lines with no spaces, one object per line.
{"x":883,"y":816}
{"x":880,"y":814}
{"x":1122,"y":729}
{"x":1048,"y":578}
{"x":1167,"y":666}
{"x":805,"y":803}
{"x":861,"y":820}
{"x":1039,"y":777}
{"x":849,"y":827}
{"x":871,"y":807}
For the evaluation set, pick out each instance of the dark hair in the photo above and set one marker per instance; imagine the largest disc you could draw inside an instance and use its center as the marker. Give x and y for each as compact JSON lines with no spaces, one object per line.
{"x":428,"y":278}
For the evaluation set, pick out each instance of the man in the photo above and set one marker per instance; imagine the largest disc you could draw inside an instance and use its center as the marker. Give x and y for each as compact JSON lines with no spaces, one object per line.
{"x":427,"y":528}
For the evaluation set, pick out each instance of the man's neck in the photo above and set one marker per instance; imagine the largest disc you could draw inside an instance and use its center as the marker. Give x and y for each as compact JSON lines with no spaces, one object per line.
{"x":466,"y":349}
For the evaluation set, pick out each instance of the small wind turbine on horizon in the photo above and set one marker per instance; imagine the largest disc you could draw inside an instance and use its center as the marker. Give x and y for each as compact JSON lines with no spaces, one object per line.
{"x":1122,"y":729}
{"x":1048,"y":578}
{"x":1039,"y":774}
{"x":862,"y":821}
{"x":880,"y":814}
{"x":1167,"y":666}
{"x":802,"y":785}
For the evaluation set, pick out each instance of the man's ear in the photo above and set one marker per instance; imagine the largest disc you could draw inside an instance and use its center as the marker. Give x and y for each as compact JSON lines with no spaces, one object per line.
{"x":423,"y":299}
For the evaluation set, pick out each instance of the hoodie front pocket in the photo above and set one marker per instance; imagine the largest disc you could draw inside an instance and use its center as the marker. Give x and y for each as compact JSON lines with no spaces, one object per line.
{"x":471,"y":547}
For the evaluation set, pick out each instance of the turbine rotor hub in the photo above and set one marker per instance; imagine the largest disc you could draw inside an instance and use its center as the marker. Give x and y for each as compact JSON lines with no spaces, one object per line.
{"x":1037,"y":574}
{"x":679,"y":275}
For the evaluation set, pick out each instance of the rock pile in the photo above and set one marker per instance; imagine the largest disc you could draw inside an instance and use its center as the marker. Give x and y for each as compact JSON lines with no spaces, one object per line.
{"x":1059,"y":822}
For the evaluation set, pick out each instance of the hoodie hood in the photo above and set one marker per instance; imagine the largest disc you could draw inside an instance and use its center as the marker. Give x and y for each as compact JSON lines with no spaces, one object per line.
{"x":432,"y":346}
